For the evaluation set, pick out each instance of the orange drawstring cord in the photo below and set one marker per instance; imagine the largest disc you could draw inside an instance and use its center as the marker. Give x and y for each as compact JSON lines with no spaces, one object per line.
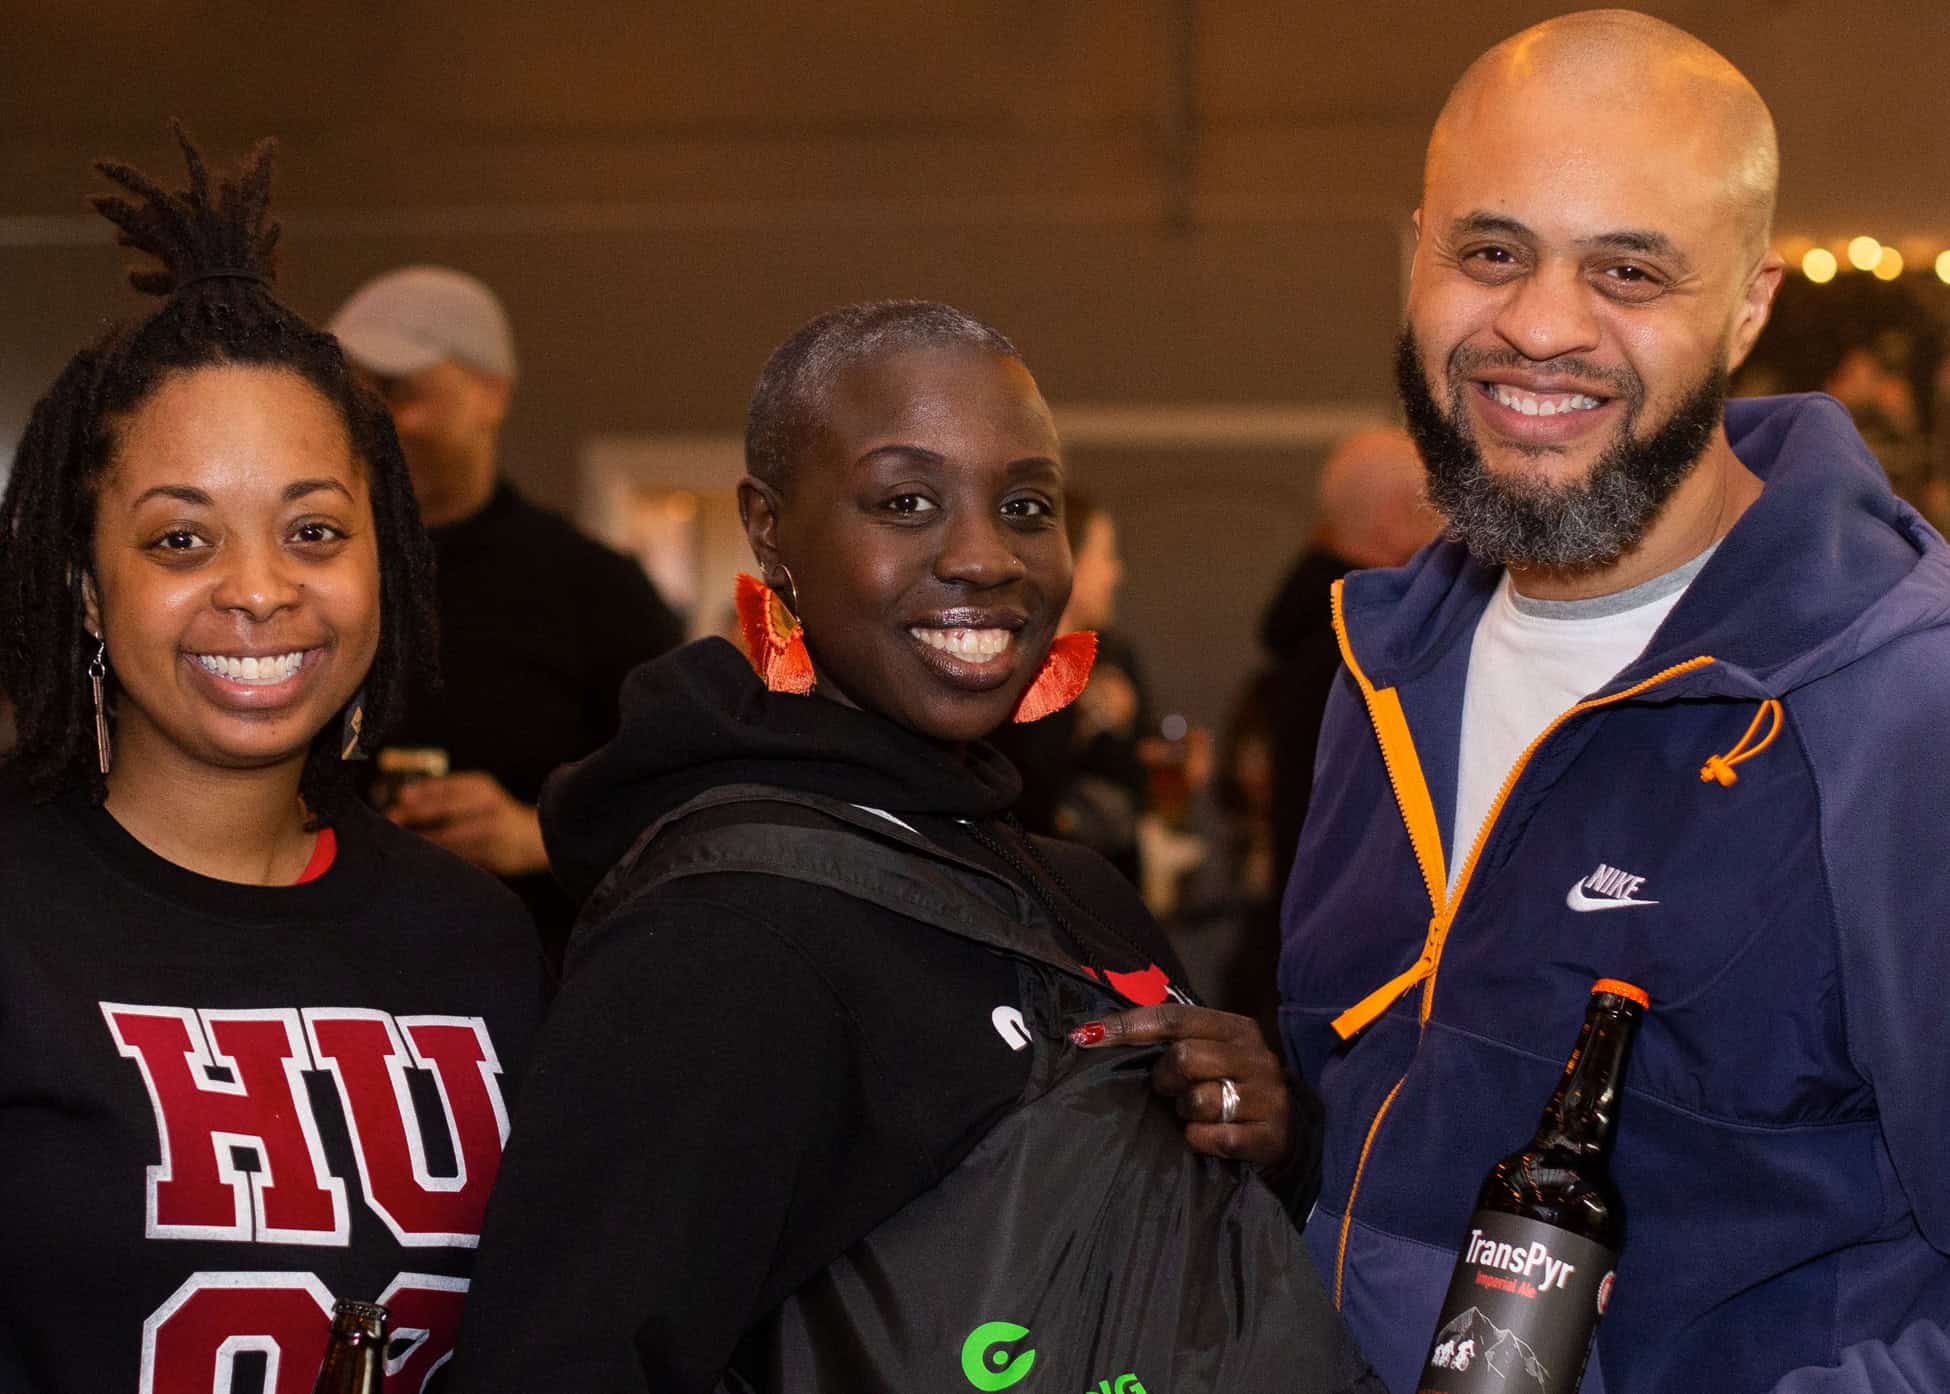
{"x":1720,"y":767}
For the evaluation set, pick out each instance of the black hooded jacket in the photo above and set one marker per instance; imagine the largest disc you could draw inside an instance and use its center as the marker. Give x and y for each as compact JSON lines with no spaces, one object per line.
{"x":744,"y":1075}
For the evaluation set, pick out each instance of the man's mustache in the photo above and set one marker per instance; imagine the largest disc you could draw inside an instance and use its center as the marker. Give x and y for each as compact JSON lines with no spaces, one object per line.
{"x":1466,"y":360}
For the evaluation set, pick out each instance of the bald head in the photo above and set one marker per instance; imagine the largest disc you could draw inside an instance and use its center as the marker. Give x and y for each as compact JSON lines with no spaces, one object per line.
{"x":1623,"y":69}
{"x":1368,"y":508}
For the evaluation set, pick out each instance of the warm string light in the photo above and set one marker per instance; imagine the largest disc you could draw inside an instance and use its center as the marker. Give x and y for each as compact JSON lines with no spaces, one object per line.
{"x":1885,"y":261}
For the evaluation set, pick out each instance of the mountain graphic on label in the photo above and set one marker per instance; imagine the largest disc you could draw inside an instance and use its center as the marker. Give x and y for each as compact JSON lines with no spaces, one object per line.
{"x":1472,"y":1344}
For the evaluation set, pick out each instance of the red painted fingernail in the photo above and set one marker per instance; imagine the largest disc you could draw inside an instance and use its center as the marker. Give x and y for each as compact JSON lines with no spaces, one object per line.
{"x":1088,"y":1034}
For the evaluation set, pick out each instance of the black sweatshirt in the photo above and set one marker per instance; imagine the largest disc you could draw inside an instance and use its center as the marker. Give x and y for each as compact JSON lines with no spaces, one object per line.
{"x":1297,"y":632}
{"x":743,"y":1075}
{"x":203,"y":1138}
{"x":539,"y":625}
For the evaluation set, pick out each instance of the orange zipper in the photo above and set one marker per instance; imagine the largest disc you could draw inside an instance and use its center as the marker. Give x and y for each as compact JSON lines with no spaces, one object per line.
{"x":1404,"y":769}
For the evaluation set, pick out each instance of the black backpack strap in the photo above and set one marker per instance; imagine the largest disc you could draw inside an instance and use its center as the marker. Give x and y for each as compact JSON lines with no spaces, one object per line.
{"x":852,"y":851}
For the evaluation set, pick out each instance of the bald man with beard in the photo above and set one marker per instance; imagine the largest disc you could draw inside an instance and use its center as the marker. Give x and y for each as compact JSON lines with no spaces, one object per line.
{"x":1667,"y":707}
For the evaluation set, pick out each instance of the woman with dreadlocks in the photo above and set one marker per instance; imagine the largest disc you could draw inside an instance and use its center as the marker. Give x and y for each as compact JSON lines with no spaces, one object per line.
{"x":253,"y":1039}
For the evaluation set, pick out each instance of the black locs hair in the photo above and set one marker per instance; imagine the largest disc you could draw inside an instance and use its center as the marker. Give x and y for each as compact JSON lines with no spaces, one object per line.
{"x":217,"y":251}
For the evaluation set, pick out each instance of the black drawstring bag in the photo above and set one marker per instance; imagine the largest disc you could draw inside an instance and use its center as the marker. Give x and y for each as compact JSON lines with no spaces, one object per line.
{"x":1081,"y":1247}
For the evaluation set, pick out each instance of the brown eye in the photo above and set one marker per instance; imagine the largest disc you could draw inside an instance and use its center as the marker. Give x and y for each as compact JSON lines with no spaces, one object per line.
{"x":909,"y":504}
{"x":178,"y":540}
{"x":1631,"y":282}
{"x":1491,"y":265}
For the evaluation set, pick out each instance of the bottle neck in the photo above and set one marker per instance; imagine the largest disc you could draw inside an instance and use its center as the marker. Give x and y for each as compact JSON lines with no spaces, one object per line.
{"x":1583,"y":1110}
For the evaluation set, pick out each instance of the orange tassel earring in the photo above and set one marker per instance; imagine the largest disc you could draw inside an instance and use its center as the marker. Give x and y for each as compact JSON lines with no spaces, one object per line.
{"x":1063,"y":677}
{"x":775,"y":641}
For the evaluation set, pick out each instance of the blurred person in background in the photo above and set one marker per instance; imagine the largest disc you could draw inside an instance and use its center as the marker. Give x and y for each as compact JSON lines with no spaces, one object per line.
{"x":1225,"y":915}
{"x":1667,"y":706}
{"x":1879,"y":350}
{"x":538,"y":623}
{"x":1083,"y":774}
{"x":1369,"y":511}
{"x":257,"y":1044}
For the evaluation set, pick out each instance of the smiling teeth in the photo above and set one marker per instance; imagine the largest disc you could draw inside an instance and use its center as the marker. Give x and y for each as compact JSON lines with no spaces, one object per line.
{"x":1531,"y":404}
{"x":974,"y":645}
{"x":262,"y":671}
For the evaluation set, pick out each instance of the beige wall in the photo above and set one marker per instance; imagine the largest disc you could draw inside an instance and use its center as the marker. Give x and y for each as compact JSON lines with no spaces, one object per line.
{"x":657,"y":331}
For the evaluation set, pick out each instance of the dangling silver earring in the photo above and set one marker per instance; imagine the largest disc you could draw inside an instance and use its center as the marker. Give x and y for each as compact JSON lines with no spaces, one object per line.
{"x":97,"y":673}
{"x":354,"y":728}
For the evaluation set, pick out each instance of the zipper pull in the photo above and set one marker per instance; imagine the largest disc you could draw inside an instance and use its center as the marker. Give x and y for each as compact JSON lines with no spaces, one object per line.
{"x":1363,"y":1014}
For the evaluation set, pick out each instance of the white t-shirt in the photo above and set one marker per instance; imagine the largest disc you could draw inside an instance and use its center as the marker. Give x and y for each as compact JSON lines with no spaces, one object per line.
{"x":1532,"y":660}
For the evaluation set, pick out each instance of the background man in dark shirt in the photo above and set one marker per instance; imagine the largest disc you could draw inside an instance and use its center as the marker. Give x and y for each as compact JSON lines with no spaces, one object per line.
{"x":538,"y":624}
{"x":1368,"y":511}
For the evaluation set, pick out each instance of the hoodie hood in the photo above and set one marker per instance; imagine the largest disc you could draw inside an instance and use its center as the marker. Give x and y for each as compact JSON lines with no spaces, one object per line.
{"x":1825,"y":566}
{"x":699,"y":718}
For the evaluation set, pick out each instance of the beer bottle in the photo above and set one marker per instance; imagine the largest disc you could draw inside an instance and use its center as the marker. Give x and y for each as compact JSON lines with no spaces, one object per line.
{"x":1536,"y":1269}
{"x":355,"y":1353}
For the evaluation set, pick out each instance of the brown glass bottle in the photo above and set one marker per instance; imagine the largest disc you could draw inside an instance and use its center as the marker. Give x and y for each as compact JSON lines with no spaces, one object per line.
{"x":355,"y":1353}
{"x":1536,"y":1267}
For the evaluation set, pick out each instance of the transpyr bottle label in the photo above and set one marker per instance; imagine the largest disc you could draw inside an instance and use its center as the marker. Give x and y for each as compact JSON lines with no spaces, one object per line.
{"x":1520,"y":1311}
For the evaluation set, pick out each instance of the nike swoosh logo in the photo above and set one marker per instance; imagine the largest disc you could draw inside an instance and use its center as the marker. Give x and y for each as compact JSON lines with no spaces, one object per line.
{"x":1584,"y":904}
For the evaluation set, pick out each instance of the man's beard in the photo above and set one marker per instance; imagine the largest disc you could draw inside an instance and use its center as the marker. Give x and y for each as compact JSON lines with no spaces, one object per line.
{"x":1580,"y":525}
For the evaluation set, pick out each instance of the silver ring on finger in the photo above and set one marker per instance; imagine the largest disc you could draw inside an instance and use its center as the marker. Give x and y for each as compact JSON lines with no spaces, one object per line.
{"x":1228,"y":1101}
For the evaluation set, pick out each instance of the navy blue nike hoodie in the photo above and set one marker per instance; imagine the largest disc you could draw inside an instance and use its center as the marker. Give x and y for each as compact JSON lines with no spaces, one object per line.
{"x":1783,"y":1146}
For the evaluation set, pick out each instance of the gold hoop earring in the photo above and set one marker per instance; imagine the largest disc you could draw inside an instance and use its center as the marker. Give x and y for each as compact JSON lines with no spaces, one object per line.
{"x":792,"y":587}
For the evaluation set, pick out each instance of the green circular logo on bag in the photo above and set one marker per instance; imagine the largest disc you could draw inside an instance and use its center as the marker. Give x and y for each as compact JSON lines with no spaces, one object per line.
{"x":986,"y":1364}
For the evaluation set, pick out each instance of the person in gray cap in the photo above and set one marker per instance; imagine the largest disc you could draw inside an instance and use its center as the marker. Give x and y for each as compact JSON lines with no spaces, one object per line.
{"x":439,"y":346}
{"x":538,"y":623}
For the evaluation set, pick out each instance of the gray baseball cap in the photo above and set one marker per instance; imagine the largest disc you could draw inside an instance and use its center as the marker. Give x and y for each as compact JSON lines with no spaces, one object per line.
{"x":406,"y":321}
